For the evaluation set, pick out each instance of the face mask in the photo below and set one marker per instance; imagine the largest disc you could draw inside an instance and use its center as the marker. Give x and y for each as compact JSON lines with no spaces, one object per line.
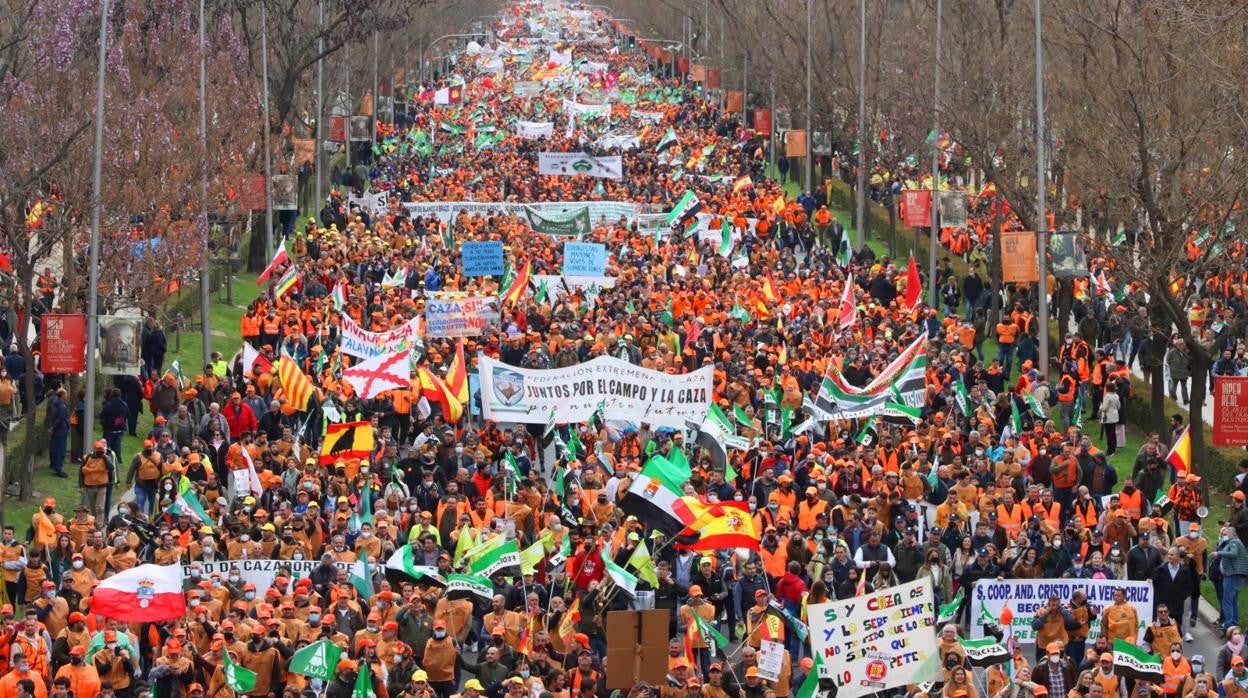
{"x":1193,"y":534}
{"x":244,"y":538}
{"x":439,"y":634}
{"x":979,"y":451}
{"x":459,"y":449}
{"x":314,"y":618}
{"x":413,"y":508}
{"x":1175,"y":655}
{"x":1198,"y":668}
{"x":524,"y":673}
{"x":78,"y":564}
{"x":1223,"y":539}
{"x":773,"y":506}
{"x":1057,"y":544}
{"x":753,"y":506}
{"x":1076,"y":566}
{"x":1129,"y":488}
{"x":818,"y":536}
{"x":1055,"y":658}
{"x":23,"y":667}
{"x":297,"y":556}
{"x":235,"y":578}
{"x":366,"y":534}
{"x":194,"y":603}
{"x":49,"y":594}
{"x":372,"y":628}
{"x":250,"y":595}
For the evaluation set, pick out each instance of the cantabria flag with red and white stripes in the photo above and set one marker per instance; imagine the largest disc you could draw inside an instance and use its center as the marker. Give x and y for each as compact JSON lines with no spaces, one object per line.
{"x":143,"y":594}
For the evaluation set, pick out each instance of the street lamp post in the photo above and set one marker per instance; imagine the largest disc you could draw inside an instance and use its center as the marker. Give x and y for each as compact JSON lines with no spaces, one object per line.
{"x":268,"y":152}
{"x":1041,"y":192}
{"x":933,"y":293}
{"x":205,"y":268}
{"x":320,"y":99}
{"x":810,"y":185}
{"x":93,"y":268}
{"x":861,"y":199}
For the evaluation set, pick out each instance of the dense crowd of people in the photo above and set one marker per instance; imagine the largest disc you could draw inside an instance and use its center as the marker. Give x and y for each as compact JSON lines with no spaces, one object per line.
{"x":1005,"y":481}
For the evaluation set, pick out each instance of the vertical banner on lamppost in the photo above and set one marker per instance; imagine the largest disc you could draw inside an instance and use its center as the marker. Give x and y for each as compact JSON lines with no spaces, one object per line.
{"x":63,"y":342}
{"x":917,"y":208}
{"x":1230,"y":411}
{"x":1018,"y":257}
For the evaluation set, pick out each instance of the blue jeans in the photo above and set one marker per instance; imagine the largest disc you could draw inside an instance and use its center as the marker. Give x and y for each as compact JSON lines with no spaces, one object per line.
{"x":112,"y":439}
{"x":145,"y":497}
{"x":1005,"y":352}
{"x":1231,"y":584}
{"x":56,"y":452}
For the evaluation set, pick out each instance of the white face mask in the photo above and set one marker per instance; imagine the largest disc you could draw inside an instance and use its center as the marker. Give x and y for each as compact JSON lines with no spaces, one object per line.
{"x":1193,"y":534}
{"x":78,"y":564}
{"x":1175,"y":655}
{"x":1055,"y":658}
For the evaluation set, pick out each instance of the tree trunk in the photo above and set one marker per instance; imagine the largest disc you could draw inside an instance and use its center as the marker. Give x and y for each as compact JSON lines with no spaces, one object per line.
{"x":256,"y":259}
{"x":1157,"y":401}
{"x":1202,"y":362}
{"x":26,"y":486}
{"x":994,"y":307}
{"x":892,"y":224}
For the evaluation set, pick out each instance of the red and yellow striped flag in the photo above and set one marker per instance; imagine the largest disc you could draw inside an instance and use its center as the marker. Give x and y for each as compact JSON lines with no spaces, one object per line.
{"x":457,"y":374}
{"x":519,"y":285}
{"x":296,"y":386}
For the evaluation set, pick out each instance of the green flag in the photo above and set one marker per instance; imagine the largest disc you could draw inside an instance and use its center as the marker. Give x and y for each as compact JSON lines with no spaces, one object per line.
{"x":363,"y":683}
{"x":867,"y":436}
{"x":317,"y":660}
{"x":1036,"y":408}
{"x":961,"y":397}
{"x":949,"y":610}
{"x":465,"y":543}
{"x":725,"y":238}
{"x":1016,"y":420}
{"x":362,"y":575}
{"x":530,"y":556}
{"x":511,"y":467}
{"x":714,"y":639}
{"x":786,"y":422}
{"x":503,"y":557}
{"x":742,"y":418}
{"x":740,"y":313}
{"x":666,"y":317}
{"x":239,"y":679}
{"x":1077,"y":415}
{"x":904,"y":410}
{"x":575,"y":447}
{"x":810,"y":686}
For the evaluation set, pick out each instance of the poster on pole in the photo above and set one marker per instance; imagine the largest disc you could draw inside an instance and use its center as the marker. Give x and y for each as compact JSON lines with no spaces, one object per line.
{"x":584,"y":258}
{"x":1018,"y":257}
{"x":1025,"y":596}
{"x":877,"y":641}
{"x":285,"y":193}
{"x":470,"y":316}
{"x":119,"y":345}
{"x":917,"y":208}
{"x":577,"y":163}
{"x":1230,"y":411}
{"x":64,"y":343}
{"x":361,"y":128}
{"x":1066,"y":251}
{"x":620,"y":389}
{"x":951,"y":205}
{"x":483,"y":258}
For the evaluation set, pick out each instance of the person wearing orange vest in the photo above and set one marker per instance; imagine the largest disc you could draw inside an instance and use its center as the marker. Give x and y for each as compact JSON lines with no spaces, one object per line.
{"x":1007,"y":337}
{"x":84,"y":679}
{"x":22,"y":671}
{"x":1010,"y":515}
{"x":809,"y":509}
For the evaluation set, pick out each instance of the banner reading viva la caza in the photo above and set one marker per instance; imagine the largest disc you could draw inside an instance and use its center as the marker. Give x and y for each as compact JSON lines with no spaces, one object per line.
{"x":878,"y":641}
{"x":620,"y":389}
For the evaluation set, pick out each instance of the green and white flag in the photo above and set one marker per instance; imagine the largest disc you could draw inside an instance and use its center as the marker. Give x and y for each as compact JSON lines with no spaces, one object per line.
{"x":845,"y":255}
{"x":810,"y":685}
{"x":686,"y":208}
{"x":1036,"y":408}
{"x":1077,"y":415}
{"x":532,"y":555}
{"x":903,"y":410}
{"x":363,"y":683}
{"x":176,"y":369}
{"x":902,"y":382}
{"x":740,"y":313}
{"x":404,"y":560}
{"x":318,"y":660}
{"x":362,"y":575}
{"x":868,"y":437}
{"x":511,"y":467}
{"x":1135,"y":663}
{"x":620,"y":576}
{"x":466,"y":586}
{"x":962,"y":398}
{"x":483,"y":547}
{"x":667,"y":141}
{"x":1016,"y":419}
{"x":187,"y":504}
{"x":947,"y":611}
{"x":502,"y":558}
{"x":985,"y":652}
{"x":714,"y":639}
{"x":725,"y":238}
{"x":239,"y":679}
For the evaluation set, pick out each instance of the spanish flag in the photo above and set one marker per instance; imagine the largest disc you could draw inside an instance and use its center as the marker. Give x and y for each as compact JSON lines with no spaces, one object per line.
{"x":435,"y":390}
{"x":1181,"y":453}
{"x":743,"y":182}
{"x":769,"y":291}
{"x":296,"y":386}
{"x":725,"y":525}
{"x":457,"y":375}
{"x":519,"y":285}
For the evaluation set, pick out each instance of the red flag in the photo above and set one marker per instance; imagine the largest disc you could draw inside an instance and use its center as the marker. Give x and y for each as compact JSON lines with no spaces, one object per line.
{"x":279,"y":258}
{"x":914,"y":286}
{"x":848,"y":311}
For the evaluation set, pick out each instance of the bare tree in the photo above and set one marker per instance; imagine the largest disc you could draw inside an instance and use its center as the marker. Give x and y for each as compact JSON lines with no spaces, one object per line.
{"x":1153,"y":94}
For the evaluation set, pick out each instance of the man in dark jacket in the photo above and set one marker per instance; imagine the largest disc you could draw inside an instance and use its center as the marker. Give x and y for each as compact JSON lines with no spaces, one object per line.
{"x":114,"y":416}
{"x":1174,"y":581}
{"x":1142,"y":559}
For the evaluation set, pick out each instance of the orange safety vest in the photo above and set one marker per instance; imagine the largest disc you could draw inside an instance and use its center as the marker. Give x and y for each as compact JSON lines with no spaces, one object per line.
{"x":1086,"y":511}
{"x":807,"y":514}
{"x":1133,"y":503}
{"x":1012,"y":522}
{"x":1068,"y":390}
{"x":1174,"y":673}
{"x":775,"y":564}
